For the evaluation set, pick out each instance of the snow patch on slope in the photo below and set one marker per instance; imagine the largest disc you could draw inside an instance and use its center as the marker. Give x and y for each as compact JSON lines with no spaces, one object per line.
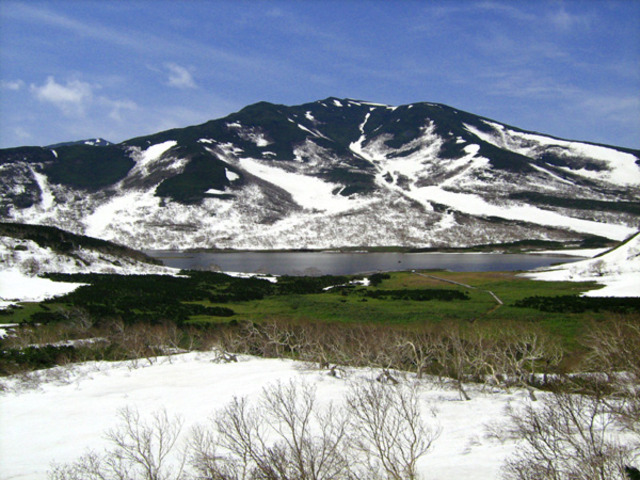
{"x":476,"y":205}
{"x":116,"y":210}
{"x":309,"y":192}
{"x":250,"y":134}
{"x":21,"y":261}
{"x":616,"y":167}
{"x":147,"y":161}
{"x":156,"y":151}
{"x":618,"y":270}
{"x":16,"y":286}
{"x":231,"y":176}
{"x":30,"y":258}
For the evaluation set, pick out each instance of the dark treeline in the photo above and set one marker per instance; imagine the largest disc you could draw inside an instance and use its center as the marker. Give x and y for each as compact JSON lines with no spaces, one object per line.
{"x":419,"y":295}
{"x":577,"y":304}
{"x":160,"y":298}
{"x":64,"y":242}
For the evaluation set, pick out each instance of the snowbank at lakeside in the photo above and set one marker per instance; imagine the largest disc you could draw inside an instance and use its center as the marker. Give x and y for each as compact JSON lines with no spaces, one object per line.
{"x":21,"y":261}
{"x":60,"y":420}
{"x":32,"y":259}
{"x":618,"y":270}
{"x":15,"y":286}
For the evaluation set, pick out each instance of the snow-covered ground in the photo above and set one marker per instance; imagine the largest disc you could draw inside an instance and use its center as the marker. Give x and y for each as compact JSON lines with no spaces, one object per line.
{"x":618,"y":167}
{"x":15,"y":286}
{"x":618,"y":270}
{"x":21,"y":261}
{"x":60,"y":420}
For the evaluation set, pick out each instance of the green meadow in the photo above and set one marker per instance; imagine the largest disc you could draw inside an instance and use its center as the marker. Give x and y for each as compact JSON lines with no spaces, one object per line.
{"x":403,"y":299}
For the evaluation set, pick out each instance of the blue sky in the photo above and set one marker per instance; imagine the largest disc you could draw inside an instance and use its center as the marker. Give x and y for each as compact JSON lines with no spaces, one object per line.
{"x":116,"y":69}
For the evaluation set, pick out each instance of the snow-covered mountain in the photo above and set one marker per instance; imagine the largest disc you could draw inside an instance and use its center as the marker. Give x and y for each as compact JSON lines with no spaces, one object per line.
{"x":331,"y":173}
{"x":617,"y":269}
{"x":27,"y":251}
{"x":35,"y":249}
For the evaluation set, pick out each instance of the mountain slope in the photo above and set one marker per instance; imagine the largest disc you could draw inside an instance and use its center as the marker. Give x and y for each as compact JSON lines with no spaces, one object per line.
{"x":331,"y":173}
{"x":36,"y":249}
{"x":27,"y":251}
{"x":618,"y":270}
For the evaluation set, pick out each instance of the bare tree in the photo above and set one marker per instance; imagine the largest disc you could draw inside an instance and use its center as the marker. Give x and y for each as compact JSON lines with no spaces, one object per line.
{"x":614,"y":349}
{"x":521,"y":351}
{"x":569,"y":437}
{"x":419,"y":350}
{"x":141,"y":451}
{"x":284,"y":437}
{"x":389,"y":433}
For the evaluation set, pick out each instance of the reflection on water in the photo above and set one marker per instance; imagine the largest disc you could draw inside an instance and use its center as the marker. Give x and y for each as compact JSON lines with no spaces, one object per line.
{"x":329,"y":263}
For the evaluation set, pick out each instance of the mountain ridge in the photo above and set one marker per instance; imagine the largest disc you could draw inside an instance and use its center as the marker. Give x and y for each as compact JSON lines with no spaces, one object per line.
{"x":330,"y":173}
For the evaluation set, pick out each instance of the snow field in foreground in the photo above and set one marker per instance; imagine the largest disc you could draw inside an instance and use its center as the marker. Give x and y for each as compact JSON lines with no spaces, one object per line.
{"x":60,"y":420}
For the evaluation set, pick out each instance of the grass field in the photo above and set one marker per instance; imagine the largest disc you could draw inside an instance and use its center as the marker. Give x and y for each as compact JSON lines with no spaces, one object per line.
{"x":353,"y":304}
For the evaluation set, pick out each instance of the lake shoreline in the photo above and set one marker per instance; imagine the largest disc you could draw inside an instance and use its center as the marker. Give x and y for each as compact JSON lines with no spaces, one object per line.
{"x":532,"y":247}
{"x":327,"y":262}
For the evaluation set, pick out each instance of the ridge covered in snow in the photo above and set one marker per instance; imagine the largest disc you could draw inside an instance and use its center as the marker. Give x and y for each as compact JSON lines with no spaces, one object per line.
{"x":22,"y":260}
{"x":618,"y":270}
{"x":327,"y":174}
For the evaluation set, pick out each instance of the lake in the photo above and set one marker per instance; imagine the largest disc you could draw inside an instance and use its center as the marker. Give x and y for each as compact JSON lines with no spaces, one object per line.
{"x":339,"y":263}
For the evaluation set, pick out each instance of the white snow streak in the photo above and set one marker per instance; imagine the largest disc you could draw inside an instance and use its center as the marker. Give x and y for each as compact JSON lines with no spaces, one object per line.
{"x":356,"y":147}
{"x":47,"y":196}
{"x":619,"y":167}
{"x":308,"y":192}
{"x":476,"y":205}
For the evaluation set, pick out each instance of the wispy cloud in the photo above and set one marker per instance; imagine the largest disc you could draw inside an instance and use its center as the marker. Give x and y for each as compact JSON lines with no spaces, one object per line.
{"x":179,"y":76}
{"x":621,"y":108}
{"x":74,"y":97}
{"x":71,"y":98}
{"x":22,"y":133}
{"x":46,"y":16}
{"x":14,"y":85}
{"x":508,"y":10}
{"x":147,"y":43}
{"x":116,"y":107}
{"x":566,"y":21}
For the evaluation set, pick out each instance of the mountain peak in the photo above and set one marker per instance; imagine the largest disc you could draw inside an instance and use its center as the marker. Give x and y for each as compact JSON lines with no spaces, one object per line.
{"x":94,"y":142}
{"x":331,"y":173}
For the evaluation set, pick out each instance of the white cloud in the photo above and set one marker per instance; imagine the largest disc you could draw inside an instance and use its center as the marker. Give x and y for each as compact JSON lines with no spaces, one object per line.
{"x":78,"y":99}
{"x":180,"y":77}
{"x":22,"y":133}
{"x":11,"y":84}
{"x":621,"y":109}
{"x":71,"y":98}
{"x":565,"y":21}
{"x":509,"y":10}
{"x":117,"y":106}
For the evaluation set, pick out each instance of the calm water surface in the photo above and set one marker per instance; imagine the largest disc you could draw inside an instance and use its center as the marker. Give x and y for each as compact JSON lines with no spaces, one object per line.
{"x":329,"y":263}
